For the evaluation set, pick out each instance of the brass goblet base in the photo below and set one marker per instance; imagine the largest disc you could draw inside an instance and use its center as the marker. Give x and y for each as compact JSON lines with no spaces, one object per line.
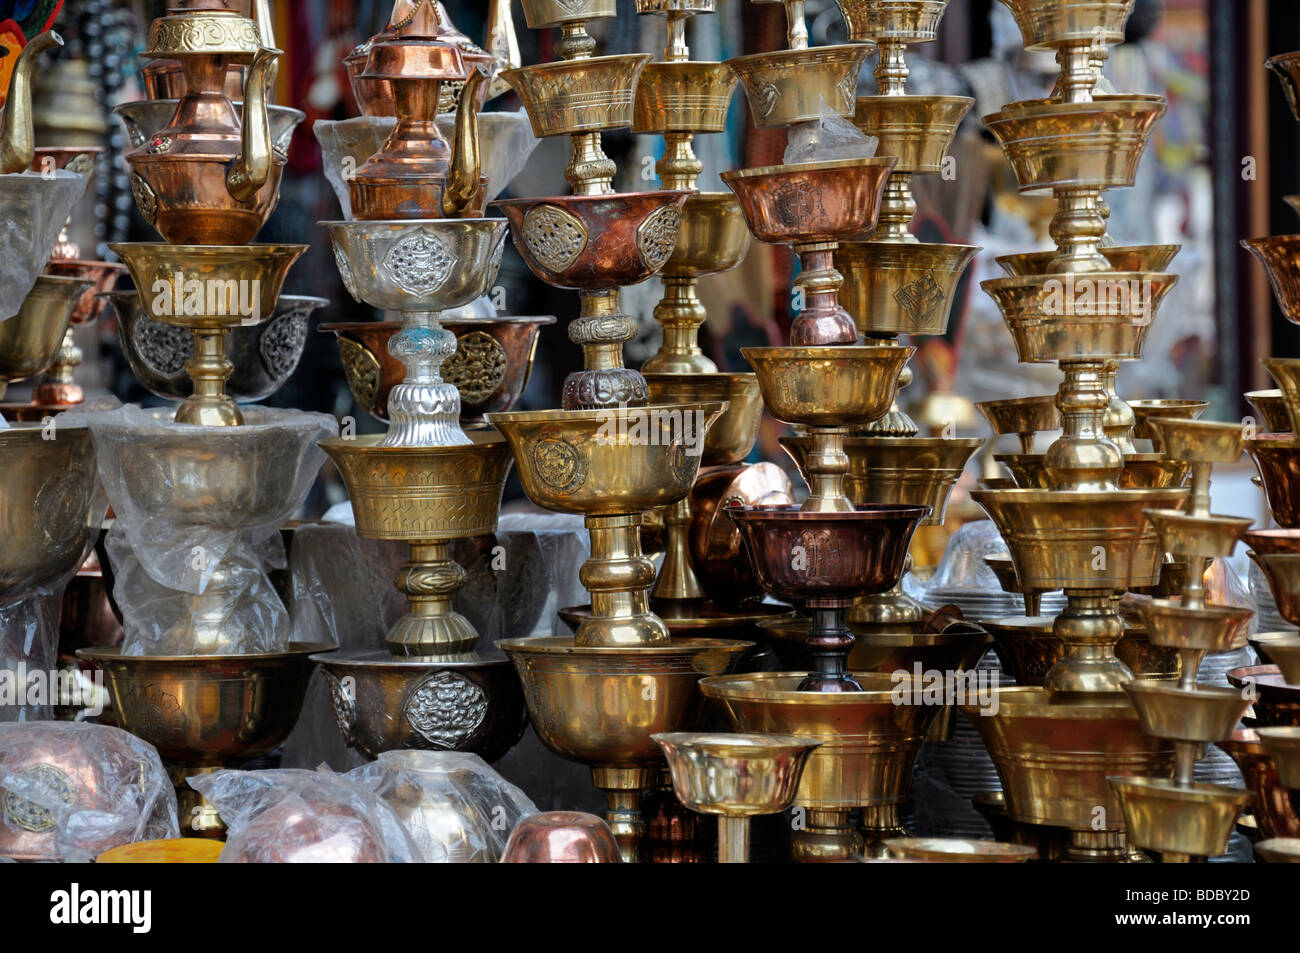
{"x":1029,"y":648}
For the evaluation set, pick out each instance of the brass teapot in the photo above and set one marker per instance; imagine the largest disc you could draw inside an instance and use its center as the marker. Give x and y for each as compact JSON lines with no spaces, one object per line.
{"x":210,"y":178}
{"x":17,"y":130}
{"x":415,"y":174}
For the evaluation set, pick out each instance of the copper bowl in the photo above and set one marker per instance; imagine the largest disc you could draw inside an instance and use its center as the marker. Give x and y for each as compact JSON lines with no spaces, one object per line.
{"x":1276,"y":702}
{"x":1277,"y":457}
{"x":596,"y":242}
{"x":561,"y":837}
{"x":1274,"y":811}
{"x":827,"y":556}
{"x":717,"y":545}
{"x":812,"y":202}
{"x":491,"y":366}
{"x":1272,"y":541}
{"x":307,"y":832}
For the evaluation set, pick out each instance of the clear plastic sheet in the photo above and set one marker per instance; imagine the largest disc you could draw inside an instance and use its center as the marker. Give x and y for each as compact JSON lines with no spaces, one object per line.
{"x":36,"y":205}
{"x":304,"y":817}
{"x":456,"y":808}
{"x":29,"y":643}
{"x":199,"y":511}
{"x":506,"y":141}
{"x":70,"y":791}
{"x":827,"y":139}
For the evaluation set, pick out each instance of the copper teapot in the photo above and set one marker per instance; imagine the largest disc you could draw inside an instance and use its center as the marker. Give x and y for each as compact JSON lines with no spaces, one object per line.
{"x":415,"y":175}
{"x":210,"y":177}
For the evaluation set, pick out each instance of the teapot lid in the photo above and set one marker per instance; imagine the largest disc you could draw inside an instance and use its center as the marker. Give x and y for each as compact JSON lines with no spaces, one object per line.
{"x":420,"y":42}
{"x":201,"y":30}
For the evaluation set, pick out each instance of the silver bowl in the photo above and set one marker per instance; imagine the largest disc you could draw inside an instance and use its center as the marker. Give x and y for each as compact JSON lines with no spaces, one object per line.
{"x":264,"y":355}
{"x":430,"y":265}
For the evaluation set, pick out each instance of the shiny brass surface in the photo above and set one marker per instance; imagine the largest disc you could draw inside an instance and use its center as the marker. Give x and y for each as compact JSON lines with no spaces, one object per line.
{"x":1274,"y":812}
{"x":1179,"y":820}
{"x":47,"y":517}
{"x":1203,"y":714}
{"x":796,"y":85}
{"x":894,"y":288}
{"x":683,"y":97}
{"x":1078,"y":146}
{"x":574,"y":96}
{"x":699,"y":618}
{"x":827,"y":386}
{"x":956,"y":648}
{"x":916,"y":129}
{"x":1204,"y":628}
{"x":1029,"y":648}
{"x":1286,"y":371}
{"x":17,"y":127}
{"x":1023,"y":416}
{"x":1283,"y":650}
{"x":903,"y":21}
{"x":1271,"y":541}
{"x":1141,"y":471}
{"x":425,"y":496}
{"x":869,"y":746}
{"x":1144,"y":411}
{"x":1055,"y":759}
{"x":204,"y":712}
{"x":468,"y":702}
{"x":1154,"y":258}
{"x":490,"y":368}
{"x":1286,"y":68}
{"x":561,"y":837}
{"x":731,"y":437}
{"x":1283,"y":573}
{"x":1198,"y":441}
{"x":30,"y":340}
{"x":956,"y":850}
{"x":102,"y":276}
{"x":1277,"y":458}
{"x":1195,"y":535}
{"x":718,"y":550}
{"x":1280,"y":256}
{"x":1272,"y":409}
{"x":1279,"y":850}
{"x":1283,"y":746}
{"x":1046,"y":24}
{"x":907,"y":470}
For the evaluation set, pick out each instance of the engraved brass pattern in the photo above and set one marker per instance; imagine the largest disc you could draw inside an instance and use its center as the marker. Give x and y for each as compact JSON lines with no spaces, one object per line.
{"x":33,"y":816}
{"x":445,"y":709}
{"x":145,"y":200}
{"x":657,"y":236}
{"x":343,"y":704}
{"x":559,"y":464}
{"x":554,"y":237}
{"x":362,"y":370}
{"x":477,"y":368}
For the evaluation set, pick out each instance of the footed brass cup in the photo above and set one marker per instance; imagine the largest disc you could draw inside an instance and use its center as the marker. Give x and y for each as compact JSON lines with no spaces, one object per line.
{"x":785,"y":87}
{"x":30,"y":340}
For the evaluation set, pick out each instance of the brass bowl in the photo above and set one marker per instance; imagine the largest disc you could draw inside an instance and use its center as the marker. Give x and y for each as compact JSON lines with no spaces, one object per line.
{"x":1206,"y":628}
{"x":1197,"y":441}
{"x":30,"y":340}
{"x":869,"y":742}
{"x":1283,"y":573}
{"x":257,"y":272}
{"x":464,"y":703}
{"x":713,"y":237}
{"x":102,"y":276}
{"x":1279,"y":850}
{"x":264,"y":355}
{"x":1274,"y":812}
{"x":600,"y":705}
{"x":544,"y":14}
{"x":1099,"y":317}
{"x":142,"y":120}
{"x":1055,"y":759}
{"x":1277,"y":458}
{"x":423,"y":493}
{"x":1141,"y":471}
{"x":833,"y":386}
{"x":897,"y":288}
{"x":1093,"y":145}
{"x":956,"y":850}
{"x":1144,"y":411}
{"x":1271,"y":541}
{"x":732,"y":435}
{"x":683,"y":97}
{"x":1053,"y":536}
{"x":1022,"y":415}
{"x":567,"y":97}
{"x":1281,"y":649}
{"x":701,"y":619}
{"x":1047,"y":24}
{"x":1121,"y":257}
{"x":596,"y":242}
{"x":1167,"y":710}
{"x":785,"y":87}
{"x":916,"y":129}
{"x":1190,"y":819}
{"x":956,"y":648}
{"x":491,"y":366}
{"x":1028,"y":650}
{"x":607,"y":462}
{"x":735,"y":775}
{"x":1286,"y":371}
{"x":812,"y":202}
{"x":561,"y":837}
{"x":1286,"y":68}
{"x":1212,"y":537}
{"x":908,"y":21}
{"x":1271,"y":407}
{"x":918,"y":471}
{"x":717,"y":545}
{"x":1277,"y":702}
{"x":48,"y":510}
{"x":1280,"y":255}
{"x":432,"y":265}
{"x":834,"y":557}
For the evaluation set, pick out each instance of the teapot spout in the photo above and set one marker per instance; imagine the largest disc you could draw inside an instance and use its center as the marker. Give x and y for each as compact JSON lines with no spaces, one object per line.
{"x":249,"y":170}
{"x":463,"y":185}
{"x":17,"y":136}
{"x":502,"y":43}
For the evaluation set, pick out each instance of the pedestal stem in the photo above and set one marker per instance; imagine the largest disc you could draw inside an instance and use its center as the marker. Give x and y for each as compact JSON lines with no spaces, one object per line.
{"x":891,"y":68}
{"x":618,"y":576}
{"x":1083,"y":458}
{"x":896,"y":422}
{"x":1078,"y":228}
{"x":1088,"y":628}
{"x":826,"y":464}
{"x":829,"y":642}
{"x":733,"y":840}
{"x":429,"y":580}
{"x":600,"y":330}
{"x":209,"y":369}
{"x":622,"y":788}
{"x":423,"y":410}
{"x":677,"y":579}
{"x":897,"y":210}
{"x":681,"y":314}
{"x":1079,"y":71}
{"x":822,"y":321}
{"x":1119,"y":420}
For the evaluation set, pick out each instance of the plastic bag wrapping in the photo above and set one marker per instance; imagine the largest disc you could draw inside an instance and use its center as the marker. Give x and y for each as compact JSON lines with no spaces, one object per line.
{"x":29,"y":644}
{"x":71,"y":790}
{"x":456,"y":808}
{"x":343,"y":594}
{"x":506,"y":141}
{"x":293,"y":816}
{"x":827,"y":139}
{"x":199,"y":511}
{"x":37,"y":205}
